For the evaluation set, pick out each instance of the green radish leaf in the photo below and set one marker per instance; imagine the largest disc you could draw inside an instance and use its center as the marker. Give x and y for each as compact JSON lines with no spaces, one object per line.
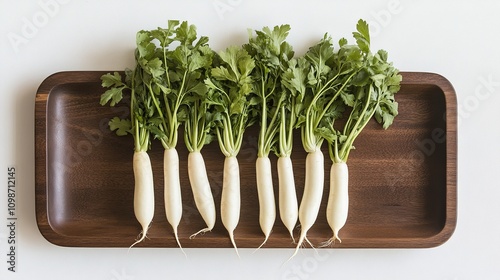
{"x":114,"y":94}
{"x":111,"y":80}
{"x":362,"y":36}
{"x":120,"y":126}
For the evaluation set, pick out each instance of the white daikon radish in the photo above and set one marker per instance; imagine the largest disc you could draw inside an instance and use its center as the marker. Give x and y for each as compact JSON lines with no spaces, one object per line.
{"x":288,"y":205}
{"x":172,"y":190}
{"x":230,"y":197}
{"x":313,"y":192}
{"x":202,"y":192}
{"x":338,"y":199}
{"x":267,"y":208}
{"x":230,"y":88}
{"x":144,"y":198}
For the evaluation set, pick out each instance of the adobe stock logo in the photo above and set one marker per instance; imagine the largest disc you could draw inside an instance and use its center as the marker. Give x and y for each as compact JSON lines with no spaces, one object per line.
{"x":383,"y":17}
{"x":486,"y":87}
{"x":224,"y":6}
{"x":121,"y":275}
{"x":32,"y":25}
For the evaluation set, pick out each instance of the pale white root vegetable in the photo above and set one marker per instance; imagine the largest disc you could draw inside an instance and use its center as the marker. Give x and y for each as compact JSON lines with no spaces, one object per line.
{"x":288,"y":204}
{"x":202,"y":192}
{"x":265,"y":191}
{"x":230,"y":197}
{"x":172,"y":190}
{"x":311,"y":199}
{"x":144,"y":199}
{"x":338,"y":199}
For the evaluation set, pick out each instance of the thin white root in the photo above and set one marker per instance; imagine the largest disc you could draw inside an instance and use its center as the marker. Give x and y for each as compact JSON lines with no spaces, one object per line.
{"x":330,"y":242}
{"x":142,"y":237}
{"x":310,"y":244}
{"x":179,"y":243}
{"x":202,"y":231}
{"x":231,"y":237}
{"x":297,"y":227}
{"x":262,"y":244}
{"x":300,"y":244}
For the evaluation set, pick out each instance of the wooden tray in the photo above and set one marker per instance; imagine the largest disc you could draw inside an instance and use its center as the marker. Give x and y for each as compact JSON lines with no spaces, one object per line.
{"x":402,"y":180}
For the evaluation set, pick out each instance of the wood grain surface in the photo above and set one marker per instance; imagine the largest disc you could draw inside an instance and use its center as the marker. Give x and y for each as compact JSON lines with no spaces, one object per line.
{"x":403,"y":191}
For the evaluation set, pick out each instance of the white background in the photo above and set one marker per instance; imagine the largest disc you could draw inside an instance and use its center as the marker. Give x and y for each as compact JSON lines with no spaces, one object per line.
{"x":457,"y":39}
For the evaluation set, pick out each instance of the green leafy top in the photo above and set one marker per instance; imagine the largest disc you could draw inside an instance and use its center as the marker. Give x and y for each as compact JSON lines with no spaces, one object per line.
{"x":371,"y":94}
{"x":172,"y":73}
{"x":293,"y":90}
{"x":271,"y":54}
{"x":230,"y":95}
{"x":329,"y":77}
{"x":178,"y":78}
{"x":165,"y":85}
{"x":141,"y":114}
{"x":351,"y":77}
